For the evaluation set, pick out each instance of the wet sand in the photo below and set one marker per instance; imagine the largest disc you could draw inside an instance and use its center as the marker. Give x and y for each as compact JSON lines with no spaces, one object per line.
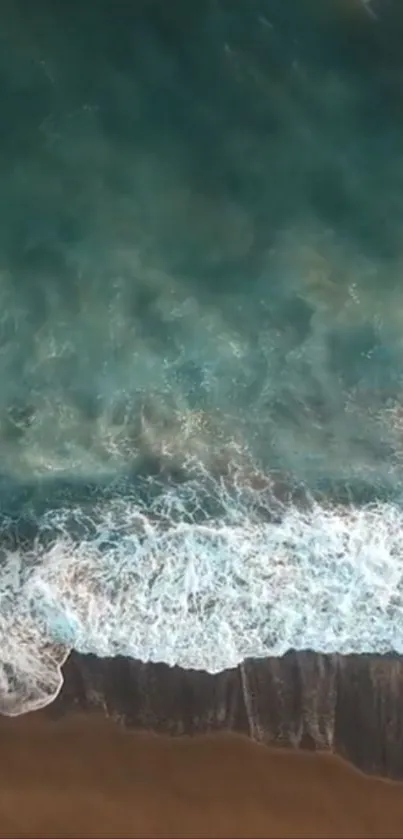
{"x":87,"y":777}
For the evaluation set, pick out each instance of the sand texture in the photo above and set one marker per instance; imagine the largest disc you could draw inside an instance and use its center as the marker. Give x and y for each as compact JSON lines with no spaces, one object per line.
{"x":86,"y":777}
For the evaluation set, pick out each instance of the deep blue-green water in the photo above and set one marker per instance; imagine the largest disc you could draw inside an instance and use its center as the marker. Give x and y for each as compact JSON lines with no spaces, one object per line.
{"x":201,"y":345}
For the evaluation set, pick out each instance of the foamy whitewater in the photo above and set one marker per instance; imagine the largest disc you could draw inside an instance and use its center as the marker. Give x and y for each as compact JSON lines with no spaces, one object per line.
{"x":167,"y":584}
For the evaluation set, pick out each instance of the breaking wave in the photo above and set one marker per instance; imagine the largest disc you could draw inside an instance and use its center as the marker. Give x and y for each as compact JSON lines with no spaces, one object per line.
{"x":199,"y":577}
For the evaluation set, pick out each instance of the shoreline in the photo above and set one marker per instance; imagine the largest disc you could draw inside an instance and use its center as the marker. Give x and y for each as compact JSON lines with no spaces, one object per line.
{"x":346,"y":705}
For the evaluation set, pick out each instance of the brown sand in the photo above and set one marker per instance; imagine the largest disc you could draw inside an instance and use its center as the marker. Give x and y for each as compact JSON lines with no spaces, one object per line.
{"x":86,"y":777}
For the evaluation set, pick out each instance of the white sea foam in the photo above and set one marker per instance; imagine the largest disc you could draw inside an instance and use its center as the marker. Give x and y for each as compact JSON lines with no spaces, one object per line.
{"x":164,"y":586}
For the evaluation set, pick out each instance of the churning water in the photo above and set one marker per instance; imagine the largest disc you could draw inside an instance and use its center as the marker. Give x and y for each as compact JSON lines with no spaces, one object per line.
{"x":201,"y":312}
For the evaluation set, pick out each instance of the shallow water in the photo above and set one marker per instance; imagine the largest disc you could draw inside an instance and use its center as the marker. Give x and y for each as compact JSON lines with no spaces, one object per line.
{"x":201,"y":274}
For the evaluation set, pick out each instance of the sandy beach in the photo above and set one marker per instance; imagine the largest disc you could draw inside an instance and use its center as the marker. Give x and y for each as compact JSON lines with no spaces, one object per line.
{"x":87,"y":777}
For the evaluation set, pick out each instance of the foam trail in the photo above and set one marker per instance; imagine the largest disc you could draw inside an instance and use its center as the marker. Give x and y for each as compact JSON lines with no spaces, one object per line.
{"x":30,"y":663}
{"x":169,"y":584}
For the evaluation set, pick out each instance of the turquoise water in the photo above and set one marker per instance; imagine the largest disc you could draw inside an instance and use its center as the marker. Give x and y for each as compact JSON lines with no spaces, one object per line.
{"x":200,"y":331}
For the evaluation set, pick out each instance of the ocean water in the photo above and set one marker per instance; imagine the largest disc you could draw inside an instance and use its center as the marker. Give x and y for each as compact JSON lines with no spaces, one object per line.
{"x":201,"y":346}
